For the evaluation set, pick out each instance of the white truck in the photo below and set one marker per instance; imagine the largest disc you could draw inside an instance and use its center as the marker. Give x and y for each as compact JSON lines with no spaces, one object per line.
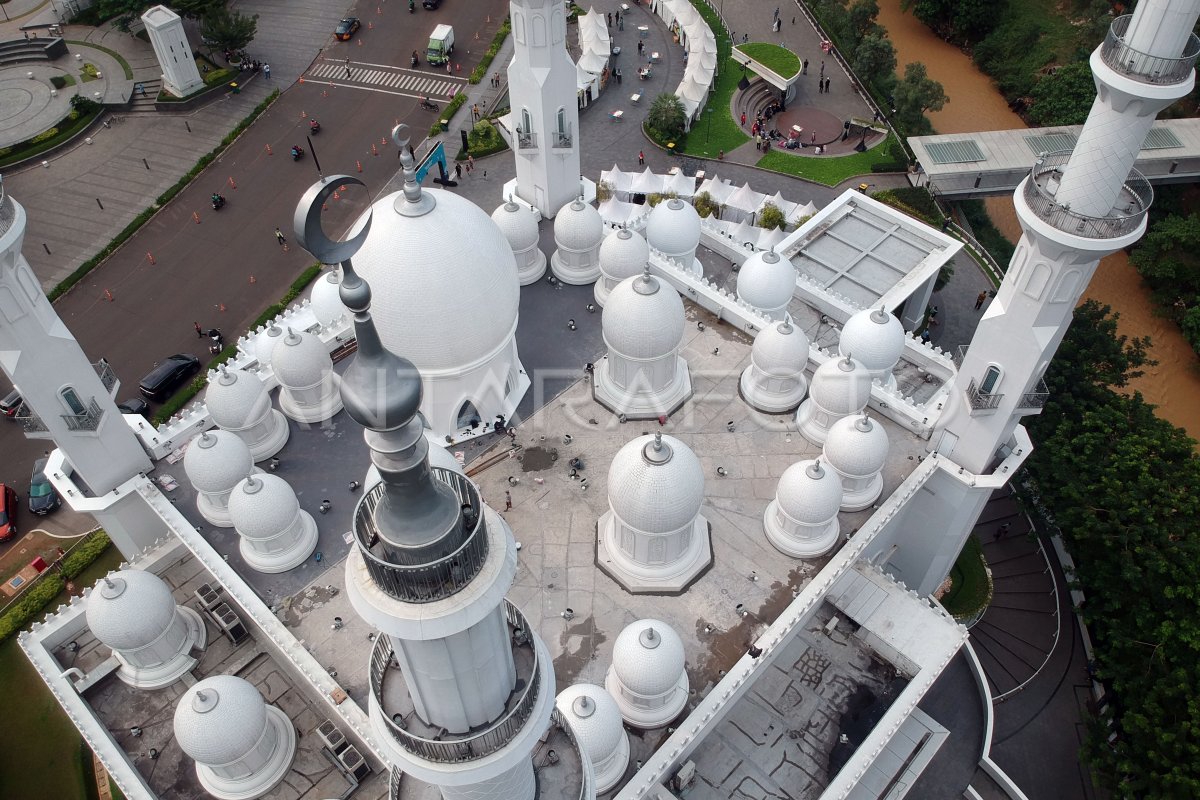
{"x":441,"y":45}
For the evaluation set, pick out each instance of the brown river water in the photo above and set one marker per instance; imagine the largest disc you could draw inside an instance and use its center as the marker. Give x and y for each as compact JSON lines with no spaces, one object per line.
{"x":975,"y":105}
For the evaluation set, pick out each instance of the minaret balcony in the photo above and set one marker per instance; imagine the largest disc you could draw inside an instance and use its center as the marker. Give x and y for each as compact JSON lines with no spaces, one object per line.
{"x":1035,"y":398}
{"x":526,"y":140}
{"x":1143,"y":67}
{"x":89,"y":420}
{"x":391,"y":696}
{"x":107,"y":377}
{"x":981,"y":400}
{"x":430,"y":581}
{"x":1126,"y":216}
{"x":31,"y":423}
{"x":562,"y":138}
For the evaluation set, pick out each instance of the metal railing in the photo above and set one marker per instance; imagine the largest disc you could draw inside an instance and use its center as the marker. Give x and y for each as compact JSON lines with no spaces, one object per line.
{"x":30,"y":422}
{"x":981,"y":400}
{"x":1131,"y":205}
{"x":563,"y":138}
{"x":1143,"y":67}
{"x":526,"y":140}
{"x":1037,"y":397}
{"x":588,"y":777}
{"x":430,"y":581}
{"x":89,"y":420}
{"x":395,"y":783}
{"x":107,"y":376}
{"x":452,"y":748}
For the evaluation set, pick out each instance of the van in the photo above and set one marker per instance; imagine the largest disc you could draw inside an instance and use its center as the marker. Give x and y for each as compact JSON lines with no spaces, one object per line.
{"x":441,"y":45}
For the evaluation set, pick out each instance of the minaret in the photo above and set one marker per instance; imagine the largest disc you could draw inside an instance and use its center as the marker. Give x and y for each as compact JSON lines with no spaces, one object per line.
{"x":545,"y":114}
{"x":461,"y":686}
{"x":68,"y":400}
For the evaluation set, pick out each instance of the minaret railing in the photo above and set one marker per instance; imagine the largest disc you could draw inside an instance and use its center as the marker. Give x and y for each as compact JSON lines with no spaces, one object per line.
{"x":1126,"y":216}
{"x":1143,"y":67}
{"x":585,"y":785}
{"x":562,"y":137}
{"x":526,"y":140}
{"x":89,"y":420}
{"x":1035,"y":398}
{"x":981,"y":400}
{"x":105,"y":372}
{"x":455,"y":748}
{"x":429,"y":581}
{"x":30,"y":422}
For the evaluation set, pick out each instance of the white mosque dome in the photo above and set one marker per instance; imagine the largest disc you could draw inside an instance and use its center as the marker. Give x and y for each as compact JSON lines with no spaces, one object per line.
{"x":654,"y":485}
{"x":518,"y":225}
{"x":325,"y":301}
{"x":673,"y":227}
{"x":856,"y":445}
{"x":594,"y":717}
{"x":216,"y":461}
{"x":220,"y":720}
{"x":780,"y":349}
{"x":578,"y":227}
{"x":300,"y":360}
{"x":643,"y":318}
{"x":450,"y":257}
{"x":648,"y":657}
{"x":874,"y":337}
{"x":809,"y":492}
{"x":766,"y":281}
{"x":128,"y":610}
{"x":623,"y":254}
{"x":841,"y":385}
{"x":263,"y":505}
{"x":236,"y":398}
{"x":264,"y":343}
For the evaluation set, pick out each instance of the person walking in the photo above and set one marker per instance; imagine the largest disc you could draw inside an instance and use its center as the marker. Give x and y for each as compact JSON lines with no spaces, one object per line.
{"x":743,"y":119}
{"x":200,"y":331}
{"x":804,"y":67}
{"x":347,"y":65}
{"x":813,"y":139}
{"x":827,"y":86}
{"x":641,"y":159}
{"x":618,"y":72}
{"x":280,"y":237}
{"x":508,"y":501}
{"x":471,"y":161}
{"x":979,"y":300}
{"x":822,"y":75}
{"x":458,"y":171}
{"x":641,"y":47}
{"x":267,"y":71}
{"x":475,"y":111}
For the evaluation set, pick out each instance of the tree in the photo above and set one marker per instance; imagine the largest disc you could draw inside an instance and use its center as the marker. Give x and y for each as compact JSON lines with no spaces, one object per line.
{"x":123,"y":12}
{"x":667,"y":118}
{"x":705,"y":205}
{"x":874,"y":60}
{"x":962,"y":21}
{"x":862,"y":16}
{"x":915,"y":94}
{"x":228,"y":30}
{"x":1168,"y":257}
{"x":1064,"y":98}
{"x":771,"y":217}
{"x":196,"y":9}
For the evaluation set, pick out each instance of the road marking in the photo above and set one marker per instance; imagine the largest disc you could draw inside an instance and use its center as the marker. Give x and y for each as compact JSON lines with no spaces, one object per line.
{"x":411,"y":83}
{"x":376,"y":89}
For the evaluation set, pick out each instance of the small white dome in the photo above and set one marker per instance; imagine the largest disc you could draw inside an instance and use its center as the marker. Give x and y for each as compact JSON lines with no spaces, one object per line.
{"x":766,"y":281}
{"x":856,"y":445}
{"x":325,"y":300}
{"x":236,"y":398}
{"x":220,"y":720}
{"x":874,"y":337}
{"x":264,"y":343}
{"x":648,"y":657}
{"x":300,"y":360}
{"x":578,"y":227}
{"x":128,"y":610}
{"x":809,"y":492}
{"x":594,"y":718}
{"x":841,"y":386}
{"x":262,"y":506}
{"x":780,"y":349}
{"x":643,"y":318}
{"x":673,"y":227}
{"x":623,"y":254}
{"x":656,"y":485}
{"x":518,"y":225}
{"x":216,"y":460}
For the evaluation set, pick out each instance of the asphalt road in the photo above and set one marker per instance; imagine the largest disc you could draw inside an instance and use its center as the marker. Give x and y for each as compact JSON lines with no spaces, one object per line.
{"x":225,"y":269}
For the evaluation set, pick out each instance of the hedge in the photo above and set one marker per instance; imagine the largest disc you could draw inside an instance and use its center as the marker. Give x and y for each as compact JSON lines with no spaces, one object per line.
{"x":493,"y":49}
{"x":83,"y":555}
{"x":35,"y":600}
{"x":41,"y":143}
{"x":916,"y":201}
{"x":451,"y":109}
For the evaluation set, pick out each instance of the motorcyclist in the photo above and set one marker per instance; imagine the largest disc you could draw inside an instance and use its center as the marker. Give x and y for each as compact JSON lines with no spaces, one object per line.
{"x":313,"y":125}
{"x":415,"y":60}
{"x":297,"y":151}
{"x":412,"y":6}
{"x":217,"y":200}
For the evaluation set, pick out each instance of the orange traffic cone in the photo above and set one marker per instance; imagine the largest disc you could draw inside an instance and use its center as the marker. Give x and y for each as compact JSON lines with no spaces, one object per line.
{"x":108,"y":295}
{"x":253,"y":279}
{"x":196,"y":216}
{"x":270,"y":152}
{"x":150,"y":257}
{"x":359,"y":164}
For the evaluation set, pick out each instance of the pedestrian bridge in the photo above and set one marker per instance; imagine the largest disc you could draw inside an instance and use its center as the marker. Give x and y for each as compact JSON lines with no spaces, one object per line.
{"x":960,"y":166}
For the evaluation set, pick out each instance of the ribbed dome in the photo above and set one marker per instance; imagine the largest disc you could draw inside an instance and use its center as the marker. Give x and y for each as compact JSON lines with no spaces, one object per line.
{"x":841,"y":386}
{"x":780,"y":349}
{"x":324,"y":301}
{"x":128,"y":610}
{"x":264,"y":343}
{"x":262,"y":506}
{"x":648,"y":663}
{"x":216,"y":460}
{"x":220,"y":720}
{"x":856,"y":445}
{"x":300,"y":360}
{"x":236,"y":398}
{"x":594,"y":717}
{"x":874,"y":337}
{"x":623,"y":254}
{"x":643,"y":318}
{"x":518,"y":225}
{"x":420,"y":267}
{"x":673,"y":227}
{"x":766,"y":281}
{"x":809,"y":492}
{"x":656,"y":488}
{"x":578,"y":226}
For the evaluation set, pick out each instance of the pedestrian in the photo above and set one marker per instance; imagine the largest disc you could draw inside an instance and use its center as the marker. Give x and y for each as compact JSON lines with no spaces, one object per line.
{"x":475,"y":111}
{"x":619,"y":75}
{"x":822,"y":69}
{"x":280,"y":237}
{"x":925,"y":335}
{"x":776,"y":12}
{"x":758,"y":140}
{"x":608,"y":18}
{"x":496,"y":80}
{"x":200,"y":331}
{"x":820,"y":85}
{"x":620,"y":22}
{"x":743,"y":119}
{"x":793,"y":20}
{"x":641,"y":159}
{"x":347,"y":72}
{"x":745,"y":38}
{"x":1003,"y":529}
{"x":485,"y":174}
{"x":804,"y":67}
{"x":827,"y":85}
{"x":471,"y":161}
{"x":267,"y":71}
{"x":449,"y":71}
{"x":508,"y":501}
{"x":641,"y":47}
{"x":979,"y":300}
{"x":775,"y":26}
{"x":458,"y":171}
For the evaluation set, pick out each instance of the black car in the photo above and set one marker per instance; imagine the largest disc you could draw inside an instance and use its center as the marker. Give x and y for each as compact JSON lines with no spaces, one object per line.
{"x":10,"y":404}
{"x":134,"y":405}
{"x":167,"y":376}
{"x":42,"y":497}
{"x":431,"y":4}
{"x":346,"y":28}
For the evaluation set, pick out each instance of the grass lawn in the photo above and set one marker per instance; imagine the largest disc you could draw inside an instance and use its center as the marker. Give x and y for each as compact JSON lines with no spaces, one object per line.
{"x":971,"y":590}
{"x":780,"y":60}
{"x":716,"y":129}
{"x":829,"y":171}
{"x":120,"y":59}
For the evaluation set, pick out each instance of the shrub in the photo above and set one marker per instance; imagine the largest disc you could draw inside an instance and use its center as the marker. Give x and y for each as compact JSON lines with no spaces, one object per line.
{"x":706,"y":206}
{"x":30,"y":605}
{"x":654,"y":199}
{"x":485,"y":63}
{"x":58,"y":81}
{"x":213,"y":77}
{"x":84,"y":554}
{"x":448,"y":113}
{"x":771,"y":217}
{"x":604,"y":191}
{"x":49,"y":133}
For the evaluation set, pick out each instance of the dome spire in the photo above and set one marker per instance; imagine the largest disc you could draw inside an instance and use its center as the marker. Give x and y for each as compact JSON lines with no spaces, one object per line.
{"x":413,"y":202}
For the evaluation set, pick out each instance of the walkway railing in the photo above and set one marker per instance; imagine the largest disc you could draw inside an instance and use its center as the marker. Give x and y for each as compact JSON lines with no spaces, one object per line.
{"x":585,"y":785}
{"x":1144,"y":67}
{"x":981,"y":400}
{"x":1132,"y":204}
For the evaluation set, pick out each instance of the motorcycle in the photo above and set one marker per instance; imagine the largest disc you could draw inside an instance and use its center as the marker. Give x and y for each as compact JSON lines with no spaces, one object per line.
{"x":218,"y":202}
{"x":412,"y":6}
{"x":427,"y":103}
{"x":297,"y":152}
{"x":314,"y":126}
{"x":416,"y":62}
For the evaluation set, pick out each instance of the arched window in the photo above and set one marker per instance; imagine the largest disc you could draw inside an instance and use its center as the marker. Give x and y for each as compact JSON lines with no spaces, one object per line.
{"x":526,"y":121}
{"x":561,"y":120}
{"x":468,"y":417}
{"x":991,"y":379}
{"x":71,"y":400}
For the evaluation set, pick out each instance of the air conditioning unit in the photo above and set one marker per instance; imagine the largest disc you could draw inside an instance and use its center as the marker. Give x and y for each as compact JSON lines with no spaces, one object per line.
{"x":229,"y":622}
{"x":331,"y":737}
{"x":208,"y":596}
{"x":684,"y":776}
{"x":354,"y":763}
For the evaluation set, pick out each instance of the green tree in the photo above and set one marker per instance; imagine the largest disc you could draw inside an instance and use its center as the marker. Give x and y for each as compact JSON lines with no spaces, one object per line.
{"x":1002,"y":54}
{"x":122,"y":12}
{"x":1064,"y":98}
{"x":862,"y":15}
{"x":667,"y":118}
{"x":962,"y":21}
{"x":196,"y":9}
{"x":874,"y":61}
{"x":915,"y":94}
{"x":770,"y":216}
{"x":705,"y":205}
{"x":229,"y":30}
{"x":1171,"y":250}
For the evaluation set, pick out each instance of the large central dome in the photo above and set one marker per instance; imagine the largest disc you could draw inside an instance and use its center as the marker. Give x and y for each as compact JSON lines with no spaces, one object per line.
{"x":444,"y":283}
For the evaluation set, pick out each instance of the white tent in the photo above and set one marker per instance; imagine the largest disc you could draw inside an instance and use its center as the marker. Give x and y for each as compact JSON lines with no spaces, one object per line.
{"x":801,"y":211}
{"x":646,"y":183}
{"x":718,"y":189}
{"x":618,"y":181}
{"x":786,"y":206}
{"x":593,"y":62}
{"x":743,"y":203}
{"x":679,"y":184}
{"x":768,"y":238}
{"x":700,"y":75}
{"x":702,"y":44}
{"x":743,"y":232}
{"x":687,"y":15}
{"x":616,"y":212}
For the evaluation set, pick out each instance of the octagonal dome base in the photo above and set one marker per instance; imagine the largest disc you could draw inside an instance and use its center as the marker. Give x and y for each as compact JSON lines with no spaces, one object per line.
{"x":816,"y":541}
{"x":310,"y":413}
{"x":648,"y":719}
{"x":652,"y":579}
{"x":276,"y":437}
{"x":294,"y":556}
{"x":167,"y":673}
{"x":532,"y":272}
{"x":214,"y":513}
{"x":814,"y":422}
{"x":262,"y":780}
{"x":856,"y":499}
{"x":758,"y":397}
{"x":574,"y":276}
{"x":642,"y":405}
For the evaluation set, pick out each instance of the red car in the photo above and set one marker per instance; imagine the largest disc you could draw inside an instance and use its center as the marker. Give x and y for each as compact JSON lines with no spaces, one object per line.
{"x":8,"y":513}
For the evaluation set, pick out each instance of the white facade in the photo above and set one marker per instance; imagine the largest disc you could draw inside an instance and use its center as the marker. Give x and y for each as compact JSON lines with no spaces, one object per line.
{"x":673,"y":229}
{"x":802,"y":520}
{"x":519,"y":224}
{"x":578,"y":234}
{"x":839,"y":387}
{"x":238,"y":402}
{"x":596,"y":722}
{"x":276,"y":534}
{"x":216,"y":461}
{"x":767,"y":282}
{"x":774,"y":382}
{"x":308,"y":386}
{"x":647,"y":677}
{"x":180,"y":76}
{"x":545,"y":113}
{"x":623,"y":254}
{"x":874,"y":338}
{"x":856,"y":448}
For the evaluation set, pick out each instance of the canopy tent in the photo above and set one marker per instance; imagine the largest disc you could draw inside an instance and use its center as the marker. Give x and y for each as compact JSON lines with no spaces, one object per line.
{"x":617,"y":180}
{"x":669,"y":10}
{"x":785,"y":206}
{"x":704,"y":59}
{"x":693,"y":94}
{"x":703,"y":44}
{"x":616,"y":212}
{"x":742,"y":204}
{"x":687,"y":15}
{"x":700,"y":75}
{"x":646,"y":183}
{"x":801,"y":211}
{"x":769,"y":237}
{"x":593,"y":62}
{"x":718,"y":189}
{"x":680,"y":185}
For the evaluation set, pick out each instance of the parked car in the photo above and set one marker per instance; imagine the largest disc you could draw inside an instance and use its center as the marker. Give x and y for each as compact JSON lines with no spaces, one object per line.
{"x":346,"y":29}
{"x":10,"y":403}
{"x":134,"y":405}
{"x":42,"y":496}
{"x":431,"y":5}
{"x":8,"y":513}
{"x":170,"y":373}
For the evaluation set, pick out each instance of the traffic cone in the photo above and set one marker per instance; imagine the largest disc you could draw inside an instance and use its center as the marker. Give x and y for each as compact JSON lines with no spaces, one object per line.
{"x":457,"y":67}
{"x":232,"y":185}
{"x":370,"y":25}
{"x":270,"y":152}
{"x":108,"y":295}
{"x":359,"y":164}
{"x":196,"y":216}
{"x":336,"y":196}
{"x":302,"y":79}
{"x":150,"y":257}
{"x":360,"y":42}
{"x":477,"y":36}
{"x":324,"y":93}
{"x":303,"y":115}
{"x":374,"y":151}
{"x":341,"y":188}
{"x":383,"y":140}
{"x":253,"y":279}
{"x":220,"y":307}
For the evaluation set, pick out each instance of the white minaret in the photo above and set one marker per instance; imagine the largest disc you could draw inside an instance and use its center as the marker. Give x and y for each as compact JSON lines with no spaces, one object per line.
{"x":545,"y":114}
{"x":461,"y":687}
{"x":165,"y":28}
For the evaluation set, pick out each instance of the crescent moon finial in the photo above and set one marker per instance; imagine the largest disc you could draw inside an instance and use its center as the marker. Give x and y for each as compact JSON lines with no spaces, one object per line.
{"x":307,"y":222}
{"x":413,"y":202}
